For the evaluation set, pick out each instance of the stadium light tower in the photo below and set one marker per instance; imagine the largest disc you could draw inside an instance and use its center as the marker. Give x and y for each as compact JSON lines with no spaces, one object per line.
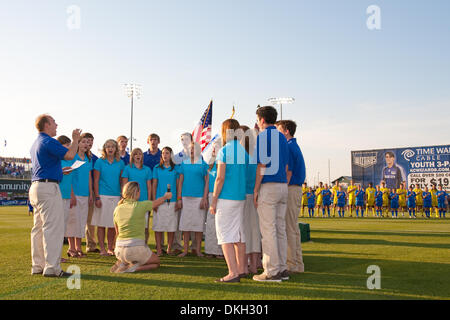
{"x":281,"y":101}
{"x":132,"y":90}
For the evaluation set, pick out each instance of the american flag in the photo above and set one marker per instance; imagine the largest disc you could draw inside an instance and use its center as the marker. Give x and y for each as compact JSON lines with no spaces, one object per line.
{"x":202,"y":132}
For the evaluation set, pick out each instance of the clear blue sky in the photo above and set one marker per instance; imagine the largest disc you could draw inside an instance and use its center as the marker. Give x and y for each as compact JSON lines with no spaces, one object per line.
{"x":354,"y":88}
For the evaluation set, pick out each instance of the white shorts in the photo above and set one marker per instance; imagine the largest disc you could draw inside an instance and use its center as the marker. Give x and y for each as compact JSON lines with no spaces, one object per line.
{"x":133,"y":255}
{"x":104,"y":216}
{"x":192,"y":217}
{"x":230,"y":221}
{"x":165,"y":218}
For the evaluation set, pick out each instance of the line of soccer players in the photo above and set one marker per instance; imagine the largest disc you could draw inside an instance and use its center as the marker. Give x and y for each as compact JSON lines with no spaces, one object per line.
{"x":381,"y":200}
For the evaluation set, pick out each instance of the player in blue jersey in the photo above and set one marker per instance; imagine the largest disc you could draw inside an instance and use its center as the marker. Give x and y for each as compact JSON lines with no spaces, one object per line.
{"x":411,"y":200}
{"x":326,"y":200}
{"x":394,"y":202}
{"x":360,"y":194}
{"x":379,"y":201}
{"x":341,"y":201}
{"x":441,"y":196}
{"x":392,"y":174}
{"x":311,"y":195}
{"x":426,"y":196}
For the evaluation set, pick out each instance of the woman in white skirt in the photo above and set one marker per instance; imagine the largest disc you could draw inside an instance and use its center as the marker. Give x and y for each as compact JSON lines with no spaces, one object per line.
{"x":251,"y":220}
{"x":193,"y":198}
{"x":107,"y":172}
{"x":82,"y":188}
{"x":142,"y":174}
{"x":165,"y":217}
{"x":229,"y":200}
{"x":212,"y":247}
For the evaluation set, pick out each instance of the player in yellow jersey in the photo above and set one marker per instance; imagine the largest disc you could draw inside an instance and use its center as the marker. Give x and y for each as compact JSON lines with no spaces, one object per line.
{"x":319,"y":197}
{"x":304,"y":199}
{"x":402,"y":198}
{"x":434,"y":200}
{"x":351,"y":196}
{"x":386,"y":193}
{"x":334,"y":191}
{"x":370,"y":193}
{"x":419,"y":199}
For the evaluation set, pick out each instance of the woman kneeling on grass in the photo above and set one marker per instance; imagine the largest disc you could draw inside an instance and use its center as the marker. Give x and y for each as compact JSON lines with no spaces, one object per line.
{"x":131,"y":251}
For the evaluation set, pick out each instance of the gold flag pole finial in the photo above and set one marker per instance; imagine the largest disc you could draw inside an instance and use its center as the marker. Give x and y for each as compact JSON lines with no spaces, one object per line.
{"x":232,"y":114}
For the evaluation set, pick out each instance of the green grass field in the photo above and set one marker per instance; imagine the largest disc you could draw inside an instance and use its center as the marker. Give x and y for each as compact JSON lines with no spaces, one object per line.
{"x":413,"y":256}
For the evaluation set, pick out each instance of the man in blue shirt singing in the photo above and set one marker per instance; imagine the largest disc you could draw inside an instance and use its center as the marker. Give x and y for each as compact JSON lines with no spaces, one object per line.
{"x":47,"y":234}
{"x":296,"y":177}
{"x":153,"y":155}
{"x":270,"y":195}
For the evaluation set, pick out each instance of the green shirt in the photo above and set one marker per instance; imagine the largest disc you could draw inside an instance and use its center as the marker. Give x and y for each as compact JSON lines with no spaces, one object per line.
{"x":130,"y":219}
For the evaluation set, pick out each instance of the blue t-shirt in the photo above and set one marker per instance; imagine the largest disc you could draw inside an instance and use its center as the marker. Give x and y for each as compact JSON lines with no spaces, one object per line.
{"x":311,"y":199}
{"x":212,"y":177}
{"x":140,"y":176}
{"x":236,"y":159}
{"x":81,"y":177}
{"x":297,"y":163}
{"x":441,"y":195}
{"x":251,"y":176}
{"x":394,"y":200}
{"x":109,"y":182}
{"x":165,"y":176}
{"x":326,"y":196}
{"x":126,"y":159}
{"x":411,"y":197}
{"x":46,"y":155}
{"x":66,"y":183}
{"x":379,"y":196}
{"x":426,"y":196}
{"x":151,"y":160}
{"x":360,"y":195}
{"x":275,"y":160}
{"x":341,"y":198}
{"x":194,"y":178}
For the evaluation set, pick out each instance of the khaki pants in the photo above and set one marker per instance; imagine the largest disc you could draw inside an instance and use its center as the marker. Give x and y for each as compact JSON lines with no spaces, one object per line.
{"x":272,"y":202}
{"x":47,"y":234}
{"x":91,"y":245}
{"x":294,"y":248}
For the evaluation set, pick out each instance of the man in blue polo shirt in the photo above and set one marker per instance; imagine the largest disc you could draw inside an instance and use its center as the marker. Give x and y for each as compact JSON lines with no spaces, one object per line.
{"x":153,"y":155}
{"x":47,"y":234}
{"x":297,"y":174}
{"x":270,"y":195}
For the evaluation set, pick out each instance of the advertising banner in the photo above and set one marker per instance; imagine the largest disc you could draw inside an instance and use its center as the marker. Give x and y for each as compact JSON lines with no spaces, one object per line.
{"x":15,"y":186}
{"x":13,"y":202}
{"x":421,"y":166}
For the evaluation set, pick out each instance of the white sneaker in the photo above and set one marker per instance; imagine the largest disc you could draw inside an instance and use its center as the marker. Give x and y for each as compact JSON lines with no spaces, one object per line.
{"x":132,"y":268}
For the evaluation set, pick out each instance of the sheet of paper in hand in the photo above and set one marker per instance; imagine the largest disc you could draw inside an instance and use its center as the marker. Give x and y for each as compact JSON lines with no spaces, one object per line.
{"x":74,"y":166}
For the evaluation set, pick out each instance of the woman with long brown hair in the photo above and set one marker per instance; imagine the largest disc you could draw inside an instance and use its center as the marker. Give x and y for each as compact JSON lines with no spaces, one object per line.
{"x":107,"y":189}
{"x":165,"y":218}
{"x":251,"y":220}
{"x":228,"y":201}
{"x":193,"y":193}
{"x":137,"y":171}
